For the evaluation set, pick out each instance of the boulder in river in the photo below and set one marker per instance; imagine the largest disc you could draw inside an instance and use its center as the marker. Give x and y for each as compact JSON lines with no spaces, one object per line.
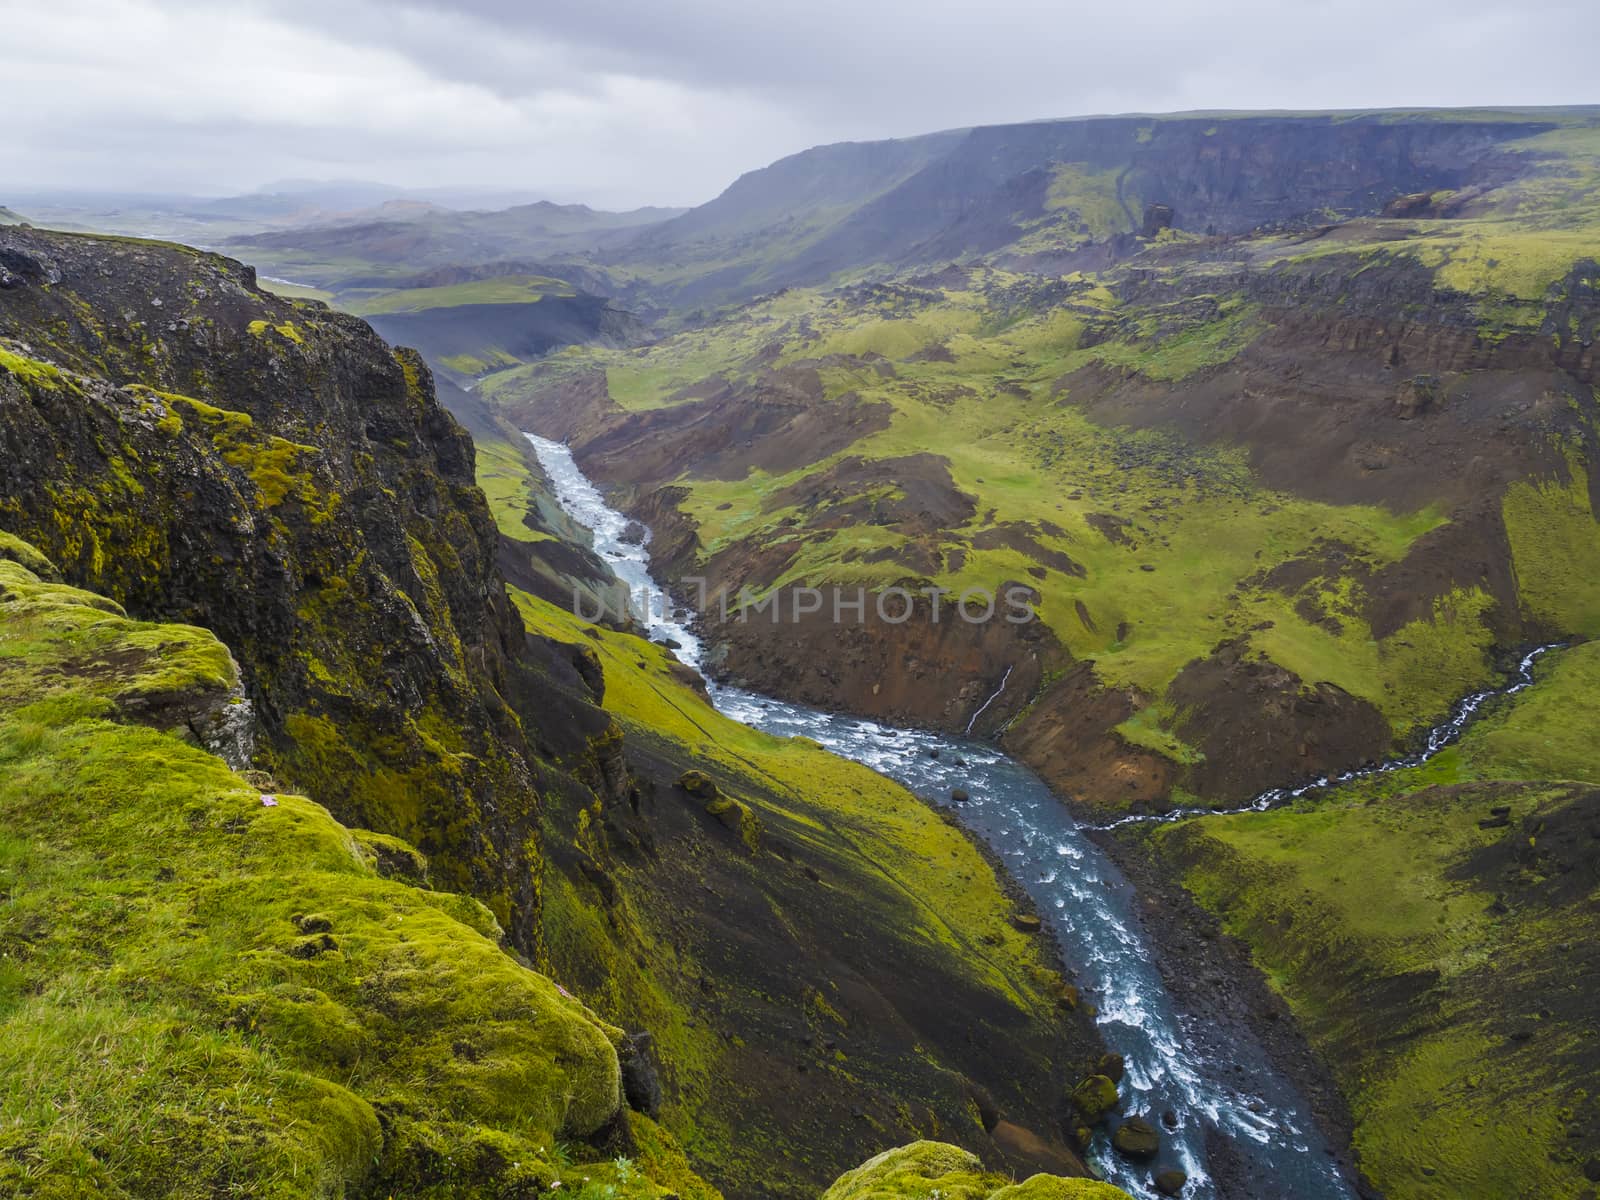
{"x":1095,"y":1097}
{"x":959,"y":795}
{"x":1136,"y":1138}
{"x":1027,"y":922}
{"x":1112,"y":1066}
{"x":1170,"y":1183}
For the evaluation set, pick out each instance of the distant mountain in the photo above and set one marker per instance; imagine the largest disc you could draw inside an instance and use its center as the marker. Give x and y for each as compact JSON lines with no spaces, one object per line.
{"x":324,"y":252}
{"x":1064,"y":188}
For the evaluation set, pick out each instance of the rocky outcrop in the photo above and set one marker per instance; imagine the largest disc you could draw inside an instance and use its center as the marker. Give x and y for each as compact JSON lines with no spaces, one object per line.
{"x":204,"y":452}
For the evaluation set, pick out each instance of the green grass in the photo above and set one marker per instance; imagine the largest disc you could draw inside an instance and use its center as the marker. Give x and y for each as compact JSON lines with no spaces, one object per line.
{"x":1549,"y":732}
{"x":1150,"y":729}
{"x":988,"y":373}
{"x":507,"y":482}
{"x":1199,"y":529}
{"x":1555,"y":548}
{"x":906,"y":871}
{"x":500,"y":289}
{"x":958,"y":900}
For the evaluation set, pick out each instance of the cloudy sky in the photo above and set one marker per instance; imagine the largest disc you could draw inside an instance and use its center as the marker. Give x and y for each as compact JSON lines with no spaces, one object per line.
{"x":626,"y":102}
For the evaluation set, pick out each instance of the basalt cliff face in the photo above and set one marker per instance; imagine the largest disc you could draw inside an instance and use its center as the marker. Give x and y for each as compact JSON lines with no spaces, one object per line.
{"x":812,"y":965}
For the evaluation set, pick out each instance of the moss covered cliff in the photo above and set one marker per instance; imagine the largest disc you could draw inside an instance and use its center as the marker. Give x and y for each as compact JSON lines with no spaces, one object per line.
{"x":201,"y":451}
{"x":207,"y":989}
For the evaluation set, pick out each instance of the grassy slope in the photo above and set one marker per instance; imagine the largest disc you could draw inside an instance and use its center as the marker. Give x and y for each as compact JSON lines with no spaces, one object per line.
{"x":1446,"y":988}
{"x":947,"y":902}
{"x":200,"y":992}
{"x":933,"y":861}
{"x":874,"y":839}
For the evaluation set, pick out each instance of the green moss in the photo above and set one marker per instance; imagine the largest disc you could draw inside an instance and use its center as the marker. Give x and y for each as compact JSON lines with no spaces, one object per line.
{"x":1053,"y":1187}
{"x":279,"y":469}
{"x":60,"y":640}
{"x":285,"y":330}
{"x":916,"y":1172}
{"x":507,"y":481}
{"x":24,"y":554}
{"x":1180,"y":353}
{"x":925,"y":1170}
{"x":1151,"y":729}
{"x":30,"y":370}
{"x":1549,"y":731}
{"x":1094,"y":1098}
{"x":203,"y":991}
{"x":955,"y":897}
{"x":740,"y":819}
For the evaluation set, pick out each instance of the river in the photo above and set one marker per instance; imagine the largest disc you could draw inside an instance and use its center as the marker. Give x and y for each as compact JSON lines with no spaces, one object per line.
{"x":1174,"y":1068}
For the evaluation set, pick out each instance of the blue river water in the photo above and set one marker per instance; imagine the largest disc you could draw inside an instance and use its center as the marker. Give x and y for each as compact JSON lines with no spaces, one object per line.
{"x":1176,"y":1078}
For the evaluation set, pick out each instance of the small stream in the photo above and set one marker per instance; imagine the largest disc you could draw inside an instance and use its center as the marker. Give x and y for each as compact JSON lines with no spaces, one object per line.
{"x":1446,"y":733}
{"x":1177,"y":1076}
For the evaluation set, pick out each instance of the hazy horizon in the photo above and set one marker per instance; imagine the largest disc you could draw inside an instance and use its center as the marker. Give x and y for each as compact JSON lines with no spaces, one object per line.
{"x":651,"y":104}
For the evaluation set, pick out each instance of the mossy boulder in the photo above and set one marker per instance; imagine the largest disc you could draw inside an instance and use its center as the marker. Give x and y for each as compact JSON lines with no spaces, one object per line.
{"x":915,"y":1170}
{"x":1171,"y":1183}
{"x":1056,"y":1187}
{"x":16,"y":550}
{"x":737,"y":816}
{"x":925,"y":1169}
{"x":1112,"y":1066}
{"x":1094,"y":1099}
{"x":699,"y":784}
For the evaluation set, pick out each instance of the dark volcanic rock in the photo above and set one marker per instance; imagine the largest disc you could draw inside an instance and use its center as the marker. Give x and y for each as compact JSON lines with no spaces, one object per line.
{"x":1156,"y":218}
{"x":1137,"y":1138}
{"x":641,"y":1075}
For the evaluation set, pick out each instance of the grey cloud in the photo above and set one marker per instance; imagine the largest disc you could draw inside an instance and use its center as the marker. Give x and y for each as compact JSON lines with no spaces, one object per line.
{"x":632,"y":101}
